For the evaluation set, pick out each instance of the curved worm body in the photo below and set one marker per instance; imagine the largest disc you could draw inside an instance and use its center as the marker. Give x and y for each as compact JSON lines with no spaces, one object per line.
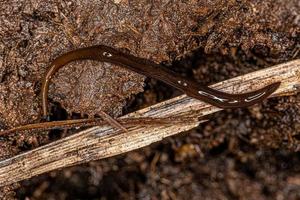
{"x":159,"y":72}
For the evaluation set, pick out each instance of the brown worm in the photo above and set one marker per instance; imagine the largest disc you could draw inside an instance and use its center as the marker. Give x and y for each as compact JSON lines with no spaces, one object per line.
{"x":159,"y":72}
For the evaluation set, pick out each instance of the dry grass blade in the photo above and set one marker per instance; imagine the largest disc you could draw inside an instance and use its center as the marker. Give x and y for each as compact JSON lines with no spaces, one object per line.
{"x":101,"y":142}
{"x":81,"y":123}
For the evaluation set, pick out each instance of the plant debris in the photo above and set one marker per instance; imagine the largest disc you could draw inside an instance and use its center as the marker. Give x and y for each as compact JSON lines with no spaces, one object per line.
{"x":254,"y":148}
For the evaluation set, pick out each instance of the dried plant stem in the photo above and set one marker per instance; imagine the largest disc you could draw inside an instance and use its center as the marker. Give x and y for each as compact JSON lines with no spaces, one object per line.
{"x":102,"y":142}
{"x":81,"y":123}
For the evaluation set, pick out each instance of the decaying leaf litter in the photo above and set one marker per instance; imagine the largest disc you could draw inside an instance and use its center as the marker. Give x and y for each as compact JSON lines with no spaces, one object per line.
{"x":211,"y":41}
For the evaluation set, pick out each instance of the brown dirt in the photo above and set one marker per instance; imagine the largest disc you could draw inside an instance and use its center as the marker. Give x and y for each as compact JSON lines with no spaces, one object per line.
{"x":239,"y":154}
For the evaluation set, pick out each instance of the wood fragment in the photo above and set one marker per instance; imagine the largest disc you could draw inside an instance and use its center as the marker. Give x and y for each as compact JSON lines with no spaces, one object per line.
{"x":102,"y":142}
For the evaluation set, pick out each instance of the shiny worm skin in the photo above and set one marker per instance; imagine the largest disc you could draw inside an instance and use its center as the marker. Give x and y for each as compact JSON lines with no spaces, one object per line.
{"x":150,"y":69}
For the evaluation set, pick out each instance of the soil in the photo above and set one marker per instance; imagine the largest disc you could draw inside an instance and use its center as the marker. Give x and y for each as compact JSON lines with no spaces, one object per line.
{"x":250,"y":153}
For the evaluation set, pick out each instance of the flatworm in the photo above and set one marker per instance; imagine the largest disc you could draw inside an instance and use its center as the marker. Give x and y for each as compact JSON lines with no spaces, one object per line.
{"x":150,"y":69}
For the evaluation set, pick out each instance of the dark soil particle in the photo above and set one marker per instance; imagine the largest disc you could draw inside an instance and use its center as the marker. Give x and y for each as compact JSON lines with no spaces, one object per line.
{"x":250,"y":153}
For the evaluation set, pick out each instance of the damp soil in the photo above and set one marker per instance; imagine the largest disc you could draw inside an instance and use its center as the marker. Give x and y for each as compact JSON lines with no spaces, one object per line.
{"x":250,"y":153}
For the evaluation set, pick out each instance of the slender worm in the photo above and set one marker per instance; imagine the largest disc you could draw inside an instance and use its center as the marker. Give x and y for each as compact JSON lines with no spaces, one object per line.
{"x":159,"y":72}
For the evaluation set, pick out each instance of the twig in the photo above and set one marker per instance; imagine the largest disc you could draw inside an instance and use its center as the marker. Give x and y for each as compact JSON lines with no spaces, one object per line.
{"x":102,"y":142}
